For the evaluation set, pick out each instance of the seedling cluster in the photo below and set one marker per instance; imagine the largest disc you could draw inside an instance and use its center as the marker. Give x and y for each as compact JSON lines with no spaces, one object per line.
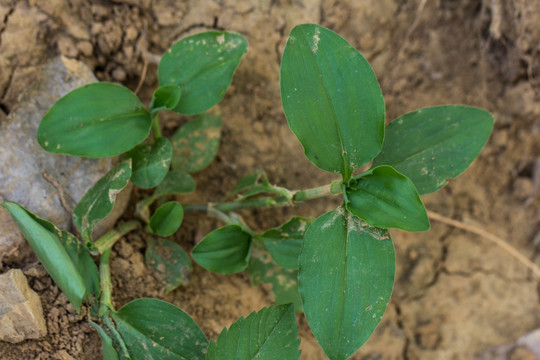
{"x":339,"y":269}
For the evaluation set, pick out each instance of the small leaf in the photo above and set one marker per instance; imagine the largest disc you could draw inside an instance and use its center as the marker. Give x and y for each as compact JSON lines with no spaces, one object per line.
{"x":98,"y":202}
{"x":44,"y":240}
{"x":433,"y":144}
{"x":165,"y":98}
{"x":175,"y":182}
{"x":270,"y":334}
{"x":332,"y":100}
{"x":203,"y":66}
{"x":96,"y":120}
{"x":155,"y":329}
{"x":196,"y":143}
{"x":169,"y":261}
{"x":246,"y":182}
{"x":384,"y":198}
{"x":166,"y":219}
{"x":225,"y":250}
{"x":150,"y":162}
{"x":346,"y":276}
{"x":262,"y":269}
{"x":284,"y":242}
{"x":107,"y":348}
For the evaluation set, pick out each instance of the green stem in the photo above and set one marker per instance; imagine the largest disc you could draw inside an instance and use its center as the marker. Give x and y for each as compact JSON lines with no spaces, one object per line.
{"x":105,"y":303}
{"x":156,"y":128}
{"x":112,"y":236}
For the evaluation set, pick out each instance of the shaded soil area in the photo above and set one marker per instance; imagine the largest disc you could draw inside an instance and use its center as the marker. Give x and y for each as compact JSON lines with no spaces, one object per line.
{"x":456,"y":295}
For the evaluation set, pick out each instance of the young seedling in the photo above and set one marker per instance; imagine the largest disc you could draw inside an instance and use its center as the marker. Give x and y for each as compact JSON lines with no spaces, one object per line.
{"x":338,"y":269}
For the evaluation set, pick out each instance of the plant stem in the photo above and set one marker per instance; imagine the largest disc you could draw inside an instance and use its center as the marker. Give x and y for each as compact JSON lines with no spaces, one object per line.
{"x":156,"y":128}
{"x":105,"y":302}
{"x":107,"y":241}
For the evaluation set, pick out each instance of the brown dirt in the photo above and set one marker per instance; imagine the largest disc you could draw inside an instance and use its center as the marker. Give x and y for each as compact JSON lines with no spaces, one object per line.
{"x":456,"y":295}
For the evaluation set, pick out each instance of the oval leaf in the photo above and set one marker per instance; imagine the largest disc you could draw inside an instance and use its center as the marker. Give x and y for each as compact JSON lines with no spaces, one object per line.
{"x":270,"y":334}
{"x":225,"y":250}
{"x":203,"y":66}
{"x":150,"y":163}
{"x":165,"y":98}
{"x":107,"y":347}
{"x":98,"y":202}
{"x":384,"y":198}
{"x":44,"y":240}
{"x":155,"y":329}
{"x":332,"y":100}
{"x":434,"y":144}
{"x":96,"y":120}
{"x":175,"y":182}
{"x":167,"y":219}
{"x":346,"y":276}
{"x":196,"y":143}
{"x":169,"y":261}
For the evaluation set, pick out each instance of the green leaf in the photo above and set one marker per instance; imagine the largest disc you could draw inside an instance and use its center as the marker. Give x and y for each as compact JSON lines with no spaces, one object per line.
{"x":107,"y":348}
{"x":196,"y":143}
{"x":96,"y":120}
{"x":44,"y":239}
{"x":284,"y":242}
{"x":254,"y":184}
{"x":270,"y":334}
{"x":384,"y":198}
{"x":98,"y":202}
{"x":433,"y":144}
{"x":155,"y":329}
{"x":332,"y":100}
{"x":225,"y":250}
{"x":203,"y":66}
{"x":262,"y":269}
{"x":175,"y":182}
{"x":150,"y":162}
{"x":166,"y":219}
{"x":171,"y":264}
{"x":165,"y":98}
{"x":246,"y":182}
{"x":346,"y":276}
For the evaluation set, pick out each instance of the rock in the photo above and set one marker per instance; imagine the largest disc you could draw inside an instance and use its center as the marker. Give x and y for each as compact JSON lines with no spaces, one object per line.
{"x":49,"y":185}
{"x":21,"y":314}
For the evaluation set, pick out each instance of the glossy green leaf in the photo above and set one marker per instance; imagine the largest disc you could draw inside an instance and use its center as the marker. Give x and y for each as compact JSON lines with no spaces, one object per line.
{"x":171,"y":264}
{"x":384,"y":198}
{"x":270,"y":334}
{"x":44,"y":239}
{"x":98,"y":202}
{"x":96,"y":120}
{"x":262,"y":269}
{"x":165,"y":98}
{"x":203,"y":66}
{"x":166,"y":219}
{"x":332,"y":100}
{"x":196,"y":143}
{"x":225,"y":250}
{"x":156,"y":330}
{"x":107,"y":348}
{"x":175,"y":182}
{"x":346,"y":276}
{"x":284,"y":242}
{"x":150,"y":162}
{"x":434,"y":144}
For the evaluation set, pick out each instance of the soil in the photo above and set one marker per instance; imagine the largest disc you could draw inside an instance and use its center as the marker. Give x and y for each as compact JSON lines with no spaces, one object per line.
{"x":456,"y":295}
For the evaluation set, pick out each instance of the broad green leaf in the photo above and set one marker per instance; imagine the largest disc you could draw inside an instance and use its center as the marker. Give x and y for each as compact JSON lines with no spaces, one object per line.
{"x":107,"y":348}
{"x":171,"y":264}
{"x":196,"y":143}
{"x":165,"y":98}
{"x":156,"y":330}
{"x":203,"y":66}
{"x":150,"y":162}
{"x":262,"y":269}
{"x":175,"y":182}
{"x":331,"y":99}
{"x":346,"y":276}
{"x":225,"y":250}
{"x":270,"y":334}
{"x":96,"y":120}
{"x":434,"y":144}
{"x":98,"y":202}
{"x":44,"y":239}
{"x":384,"y":198}
{"x":284,"y":242}
{"x":166,"y":219}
